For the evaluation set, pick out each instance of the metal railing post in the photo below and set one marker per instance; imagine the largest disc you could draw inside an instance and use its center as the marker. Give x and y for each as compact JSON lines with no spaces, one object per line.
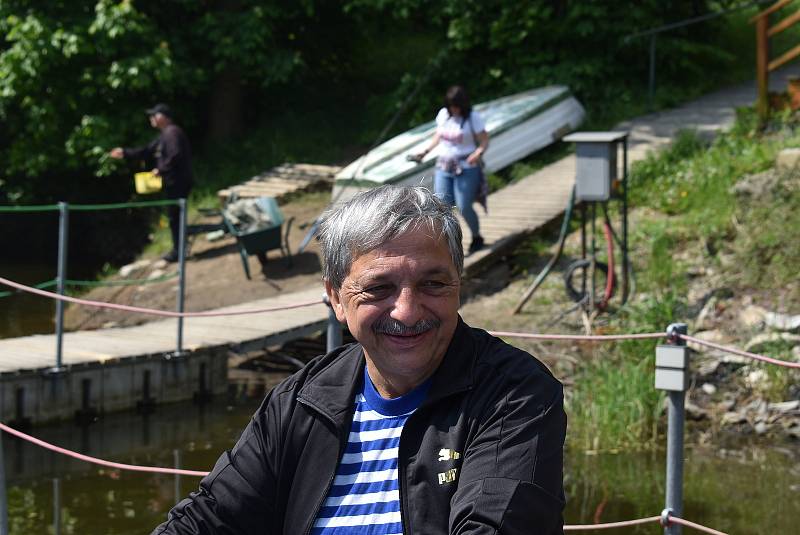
{"x":56,"y":506}
{"x":181,"y":273}
{"x":334,"y":334}
{"x":592,"y":259}
{"x":672,"y":362}
{"x":63,"y":239}
{"x":176,"y":454}
{"x":3,"y":493}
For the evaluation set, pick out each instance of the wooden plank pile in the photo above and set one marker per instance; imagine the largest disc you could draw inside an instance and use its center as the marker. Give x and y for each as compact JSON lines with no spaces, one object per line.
{"x":282,"y":181}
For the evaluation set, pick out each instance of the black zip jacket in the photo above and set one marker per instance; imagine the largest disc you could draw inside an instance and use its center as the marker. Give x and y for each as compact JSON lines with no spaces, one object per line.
{"x":483,"y":454}
{"x":172,"y":156}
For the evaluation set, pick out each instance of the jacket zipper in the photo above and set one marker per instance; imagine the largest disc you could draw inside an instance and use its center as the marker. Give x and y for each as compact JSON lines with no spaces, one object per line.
{"x":333,"y":474}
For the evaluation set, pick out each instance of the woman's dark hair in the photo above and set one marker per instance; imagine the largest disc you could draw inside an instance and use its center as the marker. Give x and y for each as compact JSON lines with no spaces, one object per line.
{"x":457,"y":96}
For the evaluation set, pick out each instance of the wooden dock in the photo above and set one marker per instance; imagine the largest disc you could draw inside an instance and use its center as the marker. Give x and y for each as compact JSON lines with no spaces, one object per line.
{"x":123,"y":368}
{"x":241,"y":333}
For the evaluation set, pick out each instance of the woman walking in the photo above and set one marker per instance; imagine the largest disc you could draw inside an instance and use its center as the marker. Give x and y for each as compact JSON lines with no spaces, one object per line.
{"x":461,"y":132}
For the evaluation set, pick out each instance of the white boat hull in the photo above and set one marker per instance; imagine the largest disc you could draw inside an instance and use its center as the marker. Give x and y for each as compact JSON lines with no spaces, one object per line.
{"x":512,"y":139}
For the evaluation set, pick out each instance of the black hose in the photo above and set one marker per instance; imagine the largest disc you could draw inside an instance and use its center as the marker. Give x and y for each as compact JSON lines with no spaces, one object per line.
{"x":549,"y":267}
{"x":581,"y":264}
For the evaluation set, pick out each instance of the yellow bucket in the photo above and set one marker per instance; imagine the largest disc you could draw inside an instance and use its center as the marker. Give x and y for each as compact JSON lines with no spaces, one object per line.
{"x":147,"y":182}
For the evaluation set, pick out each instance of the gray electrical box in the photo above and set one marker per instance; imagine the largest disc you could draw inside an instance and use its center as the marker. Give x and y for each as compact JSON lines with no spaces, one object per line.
{"x":671,"y":368}
{"x":596,"y":163}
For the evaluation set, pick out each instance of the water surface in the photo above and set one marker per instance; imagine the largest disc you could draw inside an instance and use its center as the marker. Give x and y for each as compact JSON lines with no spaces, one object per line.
{"x":23,"y":314}
{"x":747,"y":490}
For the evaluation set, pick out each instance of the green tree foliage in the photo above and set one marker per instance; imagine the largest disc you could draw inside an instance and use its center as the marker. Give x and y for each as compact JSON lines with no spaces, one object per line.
{"x":499,"y":46}
{"x":63,"y":73}
{"x":75,"y":77}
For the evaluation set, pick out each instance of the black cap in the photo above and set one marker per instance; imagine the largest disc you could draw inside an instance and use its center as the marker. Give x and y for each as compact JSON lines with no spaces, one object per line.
{"x":161,"y":108}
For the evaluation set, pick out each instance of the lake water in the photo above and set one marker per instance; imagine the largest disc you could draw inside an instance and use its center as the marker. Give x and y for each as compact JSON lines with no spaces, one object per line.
{"x":748,"y":490}
{"x":22,"y":314}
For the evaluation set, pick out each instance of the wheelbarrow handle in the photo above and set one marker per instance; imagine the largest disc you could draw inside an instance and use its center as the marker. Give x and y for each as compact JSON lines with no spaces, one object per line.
{"x":310,"y":234}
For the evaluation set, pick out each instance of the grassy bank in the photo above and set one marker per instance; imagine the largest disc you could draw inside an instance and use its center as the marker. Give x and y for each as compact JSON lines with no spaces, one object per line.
{"x":688,"y":216}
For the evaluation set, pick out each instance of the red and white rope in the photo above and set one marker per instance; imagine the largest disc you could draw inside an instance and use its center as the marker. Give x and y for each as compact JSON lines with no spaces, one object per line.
{"x":579,"y":337}
{"x":611,"y":525}
{"x":696,"y":526}
{"x":637,"y":521}
{"x":151,"y":311}
{"x":95,"y":460}
{"x":740,"y":352}
{"x":507,"y":334}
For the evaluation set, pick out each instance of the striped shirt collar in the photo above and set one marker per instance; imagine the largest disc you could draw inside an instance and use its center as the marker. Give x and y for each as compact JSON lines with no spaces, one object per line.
{"x":398,"y":406}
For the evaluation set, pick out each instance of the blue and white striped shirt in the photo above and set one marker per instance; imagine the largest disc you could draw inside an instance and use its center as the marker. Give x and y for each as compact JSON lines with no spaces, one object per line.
{"x":365,"y":496}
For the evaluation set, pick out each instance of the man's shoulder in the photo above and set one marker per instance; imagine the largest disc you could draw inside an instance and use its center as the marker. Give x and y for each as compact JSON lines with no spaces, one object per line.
{"x":319,"y":367}
{"x":499,"y":361}
{"x":326,"y":384}
{"x":173,"y":130}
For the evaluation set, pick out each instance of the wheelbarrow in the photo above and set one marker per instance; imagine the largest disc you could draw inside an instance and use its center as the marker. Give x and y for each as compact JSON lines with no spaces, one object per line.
{"x":259,"y":242}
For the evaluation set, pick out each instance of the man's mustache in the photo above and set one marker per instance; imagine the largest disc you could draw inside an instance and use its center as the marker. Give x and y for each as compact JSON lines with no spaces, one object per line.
{"x":397,"y":328}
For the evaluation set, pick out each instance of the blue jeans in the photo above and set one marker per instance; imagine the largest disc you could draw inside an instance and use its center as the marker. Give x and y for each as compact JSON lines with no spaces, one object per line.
{"x":461,"y":191}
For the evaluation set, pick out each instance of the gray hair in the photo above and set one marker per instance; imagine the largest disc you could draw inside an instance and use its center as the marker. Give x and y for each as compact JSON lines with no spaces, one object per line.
{"x":377,"y":216}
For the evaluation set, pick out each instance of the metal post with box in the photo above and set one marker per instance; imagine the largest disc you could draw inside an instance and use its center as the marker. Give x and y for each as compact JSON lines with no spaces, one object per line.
{"x":672,"y":371}
{"x":599,"y":179}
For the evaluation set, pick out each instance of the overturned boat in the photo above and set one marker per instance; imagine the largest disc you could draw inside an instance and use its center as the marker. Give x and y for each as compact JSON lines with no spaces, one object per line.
{"x":518,"y":125}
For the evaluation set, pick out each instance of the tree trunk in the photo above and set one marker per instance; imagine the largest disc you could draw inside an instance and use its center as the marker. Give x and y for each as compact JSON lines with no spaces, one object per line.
{"x":225,"y":113}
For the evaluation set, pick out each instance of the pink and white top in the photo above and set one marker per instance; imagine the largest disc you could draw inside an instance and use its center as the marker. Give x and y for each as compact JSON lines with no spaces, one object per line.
{"x":455,"y":135}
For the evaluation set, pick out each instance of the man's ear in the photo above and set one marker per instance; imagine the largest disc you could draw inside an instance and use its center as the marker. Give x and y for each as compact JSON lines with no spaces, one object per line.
{"x":336,"y":303}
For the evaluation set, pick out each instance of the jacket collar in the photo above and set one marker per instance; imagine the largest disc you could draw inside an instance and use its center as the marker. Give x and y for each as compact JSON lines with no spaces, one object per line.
{"x":456,"y":373}
{"x":332,"y":390}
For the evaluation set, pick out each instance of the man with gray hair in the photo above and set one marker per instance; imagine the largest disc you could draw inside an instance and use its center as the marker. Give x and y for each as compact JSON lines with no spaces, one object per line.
{"x":425,"y":426}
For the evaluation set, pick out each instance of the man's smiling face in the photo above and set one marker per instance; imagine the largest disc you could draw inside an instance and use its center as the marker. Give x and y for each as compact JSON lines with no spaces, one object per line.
{"x":400,"y":301}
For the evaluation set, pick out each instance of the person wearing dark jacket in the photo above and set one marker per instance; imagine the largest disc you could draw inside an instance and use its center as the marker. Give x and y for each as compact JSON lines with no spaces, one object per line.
{"x":172,"y":156}
{"x":426,"y":426}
